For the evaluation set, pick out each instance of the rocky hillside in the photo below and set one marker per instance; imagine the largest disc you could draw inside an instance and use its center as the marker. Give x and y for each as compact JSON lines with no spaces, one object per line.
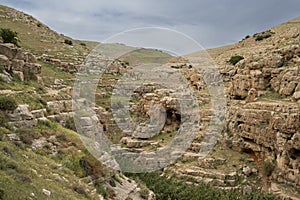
{"x":43,"y":157}
{"x":263,"y":107}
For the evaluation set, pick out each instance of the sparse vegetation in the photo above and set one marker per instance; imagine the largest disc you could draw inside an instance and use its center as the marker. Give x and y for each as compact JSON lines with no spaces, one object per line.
{"x":9,"y":36}
{"x":263,"y":35}
{"x":268,"y":167}
{"x":3,"y":119}
{"x":174,"y":188}
{"x":8,"y":103}
{"x":70,"y":124}
{"x":235,"y":59}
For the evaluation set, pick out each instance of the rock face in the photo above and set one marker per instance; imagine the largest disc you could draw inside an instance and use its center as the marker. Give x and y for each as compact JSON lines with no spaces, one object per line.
{"x":270,"y":131}
{"x":21,"y":64}
{"x":267,"y":71}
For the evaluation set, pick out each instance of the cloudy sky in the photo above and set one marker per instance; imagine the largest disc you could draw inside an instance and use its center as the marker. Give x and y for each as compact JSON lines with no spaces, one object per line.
{"x":212,"y":23}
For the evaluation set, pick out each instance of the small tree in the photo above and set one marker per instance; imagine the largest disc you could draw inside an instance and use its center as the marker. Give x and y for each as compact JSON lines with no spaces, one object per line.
{"x":9,"y":36}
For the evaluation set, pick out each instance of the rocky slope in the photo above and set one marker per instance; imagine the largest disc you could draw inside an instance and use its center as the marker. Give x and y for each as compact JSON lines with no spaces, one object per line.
{"x":40,"y":159}
{"x":258,"y":150}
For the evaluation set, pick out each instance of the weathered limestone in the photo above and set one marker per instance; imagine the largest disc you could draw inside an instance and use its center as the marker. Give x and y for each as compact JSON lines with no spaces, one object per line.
{"x":271,"y":131}
{"x":22,"y":64}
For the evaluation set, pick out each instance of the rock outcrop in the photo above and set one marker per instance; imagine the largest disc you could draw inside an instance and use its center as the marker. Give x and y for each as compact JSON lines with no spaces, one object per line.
{"x":22,"y":65}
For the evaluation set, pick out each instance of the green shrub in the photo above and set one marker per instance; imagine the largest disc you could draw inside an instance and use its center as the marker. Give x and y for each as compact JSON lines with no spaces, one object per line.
{"x":3,"y":119}
{"x":1,"y":194}
{"x":28,"y":135}
{"x":235,"y":59}
{"x":268,"y":167}
{"x":79,"y":189}
{"x":70,"y":124}
{"x":2,"y":68}
{"x":69,"y":42}
{"x":8,"y":103}
{"x":23,"y":177}
{"x":263,"y":35}
{"x":83,"y":44}
{"x":9,"y":36}
{"x":144,"y":193}
{"x":174,"y":188}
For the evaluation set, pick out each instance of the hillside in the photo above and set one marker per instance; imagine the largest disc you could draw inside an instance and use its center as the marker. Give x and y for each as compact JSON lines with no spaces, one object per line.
{"x":42,"y":156}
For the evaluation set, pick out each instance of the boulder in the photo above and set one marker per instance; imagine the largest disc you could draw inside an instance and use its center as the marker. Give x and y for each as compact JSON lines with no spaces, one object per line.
{"x":18,"y":75}
{"x":296,"y":96}
{"x":6,"y":78}
{"x":8,"y":50}
{"x":4,"y":60}
{"x":17,"y":65}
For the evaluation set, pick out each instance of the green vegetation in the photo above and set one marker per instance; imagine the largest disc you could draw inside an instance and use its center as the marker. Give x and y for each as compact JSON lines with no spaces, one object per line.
{"x":69,"y":42}
{"x":3,"y":119}
{"x":263,"y":35}
{"x":235,"y":59}
{"x":268,"y":167}
{"x":70,"y":124}
{"x":173,"y":188}
{"x":9,"y":36}
{"x":23,"y":171}
{"x":8,"y":103}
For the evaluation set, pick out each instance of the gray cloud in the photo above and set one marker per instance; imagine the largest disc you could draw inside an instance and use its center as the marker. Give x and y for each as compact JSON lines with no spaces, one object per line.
{"x":211,"y":22}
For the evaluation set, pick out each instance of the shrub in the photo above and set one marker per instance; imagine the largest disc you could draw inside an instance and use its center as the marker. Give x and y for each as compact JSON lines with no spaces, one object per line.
{"x":9,"y":36}
{"x":83,"y":44}
{"x":27,"y":135}
{"x":3,"y":119}
{"x":23,"y":177}
{"x":8,"y":103}
{"x":70,"y":124}
{"x":268,"y":168}
{"x":2,"y":68}
{"x":263,"y":35}
{"x":79,"y":189}
{"x":173,"y":188}
{"x":1,"y":193}
{"x":235,"y":59}
{"x":69,"y":42}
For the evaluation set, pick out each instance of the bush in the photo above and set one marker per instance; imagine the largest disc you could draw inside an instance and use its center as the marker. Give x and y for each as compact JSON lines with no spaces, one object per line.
{"x":3,"y":119}
{"x":83,"y":44}
{"x":79,"y":190}
{"x":175,"y":188}
{"x":1,"y":193}
{"x":69,"y":42}
{"x":8,"y":103}
{"x":27,"y":135}
{"x":70,"y":124}
{"x":263,"y":35}
{"x":9,"y":36}
{"x":23,"y":177}
{"x":268,"y":168}
{"x":235,"y":59}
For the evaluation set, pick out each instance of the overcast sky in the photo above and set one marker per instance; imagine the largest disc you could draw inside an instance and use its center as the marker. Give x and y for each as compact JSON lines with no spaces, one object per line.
{"x":212,"y":23}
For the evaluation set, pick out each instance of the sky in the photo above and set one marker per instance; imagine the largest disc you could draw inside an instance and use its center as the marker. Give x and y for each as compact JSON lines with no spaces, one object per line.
{"x":211,"y":23}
